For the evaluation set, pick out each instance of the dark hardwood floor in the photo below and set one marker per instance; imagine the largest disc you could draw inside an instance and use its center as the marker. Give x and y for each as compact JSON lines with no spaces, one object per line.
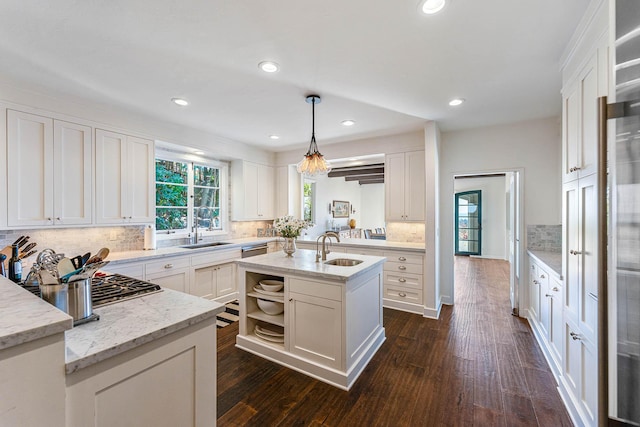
{"x":475,"y":366}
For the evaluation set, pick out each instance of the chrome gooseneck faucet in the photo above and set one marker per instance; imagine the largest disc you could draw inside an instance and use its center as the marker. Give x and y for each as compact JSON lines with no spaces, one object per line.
{"x":325,"y":251}
{"x":196,"y":221}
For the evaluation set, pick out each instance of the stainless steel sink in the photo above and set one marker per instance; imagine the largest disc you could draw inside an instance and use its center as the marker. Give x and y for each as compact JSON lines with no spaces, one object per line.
{"x":204,"y":245}
{"x":344,"y":262}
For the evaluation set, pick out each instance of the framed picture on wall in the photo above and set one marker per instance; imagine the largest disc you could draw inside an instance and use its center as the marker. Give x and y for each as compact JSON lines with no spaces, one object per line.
{"x":340,"y":209}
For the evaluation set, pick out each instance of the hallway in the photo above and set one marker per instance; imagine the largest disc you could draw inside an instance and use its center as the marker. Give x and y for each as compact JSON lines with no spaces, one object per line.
{"x":475,"y":366}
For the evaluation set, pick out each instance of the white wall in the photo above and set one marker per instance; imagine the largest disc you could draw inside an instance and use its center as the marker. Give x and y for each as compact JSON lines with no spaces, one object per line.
{"x":535,"y":146}
{"x":494,"y":216}
{"x":371,"y":207}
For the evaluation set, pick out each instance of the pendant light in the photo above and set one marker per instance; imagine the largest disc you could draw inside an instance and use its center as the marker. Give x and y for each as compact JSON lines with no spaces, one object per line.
{"x":313,"y":163}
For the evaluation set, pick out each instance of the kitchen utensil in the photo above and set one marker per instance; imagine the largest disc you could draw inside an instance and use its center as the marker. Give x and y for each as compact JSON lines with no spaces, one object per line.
{"x":77,"y":261}
{"x":79,"y":296}
{"x":103,"y":253}
{"x":93,"y":259}
{"x":47,"y":278}
{"x":65,"y":266}
{"x":29,"y":247}
{"x":85,"y":258}
{"x":28,"y":254}
{"x":23,"y":241}
{"x":18,"y":240}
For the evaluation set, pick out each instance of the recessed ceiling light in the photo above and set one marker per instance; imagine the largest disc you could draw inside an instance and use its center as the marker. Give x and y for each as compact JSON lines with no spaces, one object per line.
{"x":199,"y":153}
{"x":432,"y":6}
{"x":179,"y":101}
{"x":456,"y":101}
{"x":348,"y":122}
{"x":269,"y":66}
{"x":274,"y":137}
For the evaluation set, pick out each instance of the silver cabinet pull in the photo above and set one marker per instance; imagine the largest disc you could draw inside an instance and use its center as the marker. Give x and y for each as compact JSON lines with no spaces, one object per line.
{"x":290,"y":299}
{"x":402,"y":267}
{"x":168,"y":266}
{"x":58,"y":218}
{"x":402,"y":294}
{"x":572,"y":252}
{"x":548,"y":295}
{"x":594,"y":296}
{"x":575,"y":336}
{"x":555,"y":289}
{"x":542,"y":276}
{"x":402,"y":280}
{"x":536,"y":282}
{"x":402,"y":258}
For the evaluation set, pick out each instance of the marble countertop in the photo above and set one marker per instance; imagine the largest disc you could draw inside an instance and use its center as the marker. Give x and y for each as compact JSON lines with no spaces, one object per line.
{"x":129,"y":324}
{"x":25,"y":317}
{"x":553,"y":260}
{"x":373,"y":244}
{"x":142,"y":255}
{"x":303,"y":262}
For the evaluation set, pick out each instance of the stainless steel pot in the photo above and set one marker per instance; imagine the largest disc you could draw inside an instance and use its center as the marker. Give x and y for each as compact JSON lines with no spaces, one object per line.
{"x":80,"y":305}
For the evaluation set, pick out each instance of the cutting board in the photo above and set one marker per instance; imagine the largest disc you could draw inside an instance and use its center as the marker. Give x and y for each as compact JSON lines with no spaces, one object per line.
{"x":6,"y":251}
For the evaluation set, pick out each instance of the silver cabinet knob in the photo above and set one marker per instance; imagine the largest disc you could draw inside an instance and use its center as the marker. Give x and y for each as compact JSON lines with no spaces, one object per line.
{"x":168,"y":266}
{"x":402,"y":280}
{"x":555,"y":289}
{"x":402,"y":267}
{"x":542,"y":276}
{"x":402,"y":294}
{"x":402,"y":258}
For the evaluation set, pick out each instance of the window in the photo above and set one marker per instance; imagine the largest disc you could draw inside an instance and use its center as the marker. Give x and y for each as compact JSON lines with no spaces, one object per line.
{"x":308,"y":197}
{"x":186,"y":191}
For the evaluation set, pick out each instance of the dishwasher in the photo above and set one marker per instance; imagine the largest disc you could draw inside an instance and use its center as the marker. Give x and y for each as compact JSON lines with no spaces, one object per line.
{"x":253,"y":250}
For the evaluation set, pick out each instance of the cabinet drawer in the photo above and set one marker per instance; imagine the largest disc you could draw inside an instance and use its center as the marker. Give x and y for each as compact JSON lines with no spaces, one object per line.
{"x":406,"y":280}
{"x":317,"y":289}
{"x":402,"y":267}
{"x":399,"y":293}
{"x":166,"y":264}
{"x":215,"y":257}
{"x":135,"y":270}
{"x":365,"y":251}
{"x":404,"y":257}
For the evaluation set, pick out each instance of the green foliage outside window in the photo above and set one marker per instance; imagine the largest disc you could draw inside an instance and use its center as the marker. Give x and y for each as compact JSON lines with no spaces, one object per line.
{"x":308,"y":201}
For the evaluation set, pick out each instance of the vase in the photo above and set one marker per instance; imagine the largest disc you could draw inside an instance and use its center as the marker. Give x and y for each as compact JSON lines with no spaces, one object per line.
{"x":289,"y":245}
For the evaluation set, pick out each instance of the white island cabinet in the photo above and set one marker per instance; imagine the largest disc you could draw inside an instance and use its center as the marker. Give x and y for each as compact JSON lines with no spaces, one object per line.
{"x":332,"y":320}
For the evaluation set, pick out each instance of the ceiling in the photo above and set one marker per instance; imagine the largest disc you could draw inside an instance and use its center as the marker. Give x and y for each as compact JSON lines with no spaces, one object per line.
{"x":379,"y":62}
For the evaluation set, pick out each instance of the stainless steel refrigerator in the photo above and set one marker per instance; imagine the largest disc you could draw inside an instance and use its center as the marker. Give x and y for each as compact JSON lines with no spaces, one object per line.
{"x":619,"y":302}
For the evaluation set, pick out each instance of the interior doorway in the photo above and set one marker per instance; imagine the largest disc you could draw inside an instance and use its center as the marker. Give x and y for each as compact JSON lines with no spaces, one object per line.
{"x":498,"y":224}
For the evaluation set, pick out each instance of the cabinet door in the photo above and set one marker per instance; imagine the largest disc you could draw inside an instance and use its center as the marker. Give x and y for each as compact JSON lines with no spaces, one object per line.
{"x":588,"y":147}
{"x":556,"y":326}
{"x":250,"y":188}
{"x":178,"y":280}
{"x":414,"y":197}
{"x":571,"y":245}
{"x":588,"y":290}
{"x":111,"y":177}
{"x":394,"y":186}
{"x":225,"y":279}
{"x":544,"y":316}
{"x":315,"y":326}
{"x":572,"y":363}
{"x":266,"y":198}
{"x":140,"y":180}
{"x":30,"y":169}
{"x":73,"y":175}
{"x":570,"y":133}
{"x":534,"y":293}
{"x":282,"y":191}
{"x":204,"y":282}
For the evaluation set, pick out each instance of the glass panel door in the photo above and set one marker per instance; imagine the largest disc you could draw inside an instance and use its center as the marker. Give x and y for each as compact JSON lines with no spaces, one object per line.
{"x":468,"y":222}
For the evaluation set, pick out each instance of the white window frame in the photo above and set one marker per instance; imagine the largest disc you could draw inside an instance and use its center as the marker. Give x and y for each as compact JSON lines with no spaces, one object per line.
{"x":224,"y":195}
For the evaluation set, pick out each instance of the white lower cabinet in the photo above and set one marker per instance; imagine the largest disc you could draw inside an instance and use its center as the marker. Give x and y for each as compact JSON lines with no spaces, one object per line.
{"x":214,"y":281}
{"x":172,"y":273}
{"x":306,"y":338}
{"x":167,"y":382}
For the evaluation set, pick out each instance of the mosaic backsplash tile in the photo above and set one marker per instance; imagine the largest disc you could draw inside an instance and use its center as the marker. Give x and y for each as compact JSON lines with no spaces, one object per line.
{"x":405,"y":232}
{"x":544,"y":237}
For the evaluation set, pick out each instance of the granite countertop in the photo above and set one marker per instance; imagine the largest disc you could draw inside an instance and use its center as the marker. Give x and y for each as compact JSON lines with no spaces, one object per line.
{"x":303,"y":262}
{"x":25,"y":317}
{"x":129,"y":324}
{"x":553,"y":260}
{"x":373,"y":244}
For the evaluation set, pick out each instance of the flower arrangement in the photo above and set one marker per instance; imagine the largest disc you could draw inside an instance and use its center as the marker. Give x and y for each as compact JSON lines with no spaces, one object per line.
{"x":289,"y":226}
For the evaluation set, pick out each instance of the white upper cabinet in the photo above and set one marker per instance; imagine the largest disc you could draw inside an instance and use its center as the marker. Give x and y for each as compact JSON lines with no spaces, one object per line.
{"x":252,"y":191}
{"x":405,"y":186}
{"x":125,"y":176}
{"x":49,"y":171}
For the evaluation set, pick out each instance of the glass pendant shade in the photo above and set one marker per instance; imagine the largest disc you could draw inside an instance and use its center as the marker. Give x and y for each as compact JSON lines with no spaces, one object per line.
{"x":313,"y":163}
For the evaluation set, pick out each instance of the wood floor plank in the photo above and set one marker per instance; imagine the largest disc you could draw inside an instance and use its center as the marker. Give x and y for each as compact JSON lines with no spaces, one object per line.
{"x":475,"y":365}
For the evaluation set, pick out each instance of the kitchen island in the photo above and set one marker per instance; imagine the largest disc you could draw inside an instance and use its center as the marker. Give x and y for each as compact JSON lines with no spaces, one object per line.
{"x":332,"y":321}
{"x":149,"y":360}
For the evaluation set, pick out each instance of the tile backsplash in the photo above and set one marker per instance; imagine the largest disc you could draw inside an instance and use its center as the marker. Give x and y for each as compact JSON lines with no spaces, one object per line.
{"x":74,"y":241}
{"x":405,"y":232}
{"x":544,"y":237}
